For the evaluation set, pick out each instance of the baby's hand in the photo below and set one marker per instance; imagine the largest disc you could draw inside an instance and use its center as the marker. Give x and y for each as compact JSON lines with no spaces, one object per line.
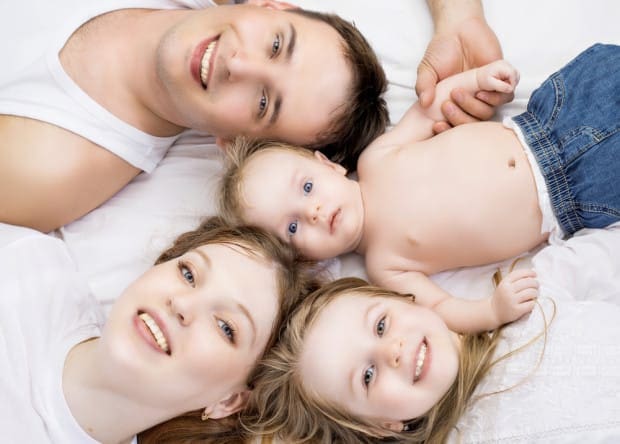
{"x":515,"y":295}
{"x":498,"y":76}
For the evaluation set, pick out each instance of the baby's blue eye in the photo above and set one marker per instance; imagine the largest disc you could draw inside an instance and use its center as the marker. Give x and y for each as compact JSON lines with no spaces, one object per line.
{"x":369,"y":373}
{"x":275,"y":46}
{"x":262,"y":104}
{"x":227,"y":330}
{"x":292,"y":228}
{"x":307,"y":187}
{"x":381,"y":327}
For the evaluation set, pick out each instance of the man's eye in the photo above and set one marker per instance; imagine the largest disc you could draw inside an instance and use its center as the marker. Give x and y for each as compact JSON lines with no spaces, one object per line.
{"x":292,"y":228}
{"x":262,"y":104}
{"x":381,"y":326}
{"x":186,"y":273}
{"x":227,"y":329}
{"x":307,"y":187}
{"x":275,"y":46}
{"x":369,"y":374}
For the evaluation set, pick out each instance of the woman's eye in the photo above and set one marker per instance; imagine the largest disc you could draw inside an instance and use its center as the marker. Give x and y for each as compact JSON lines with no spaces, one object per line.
{"x":227,"y":330}
{"x":292,"y":228}
{"x":307,"y":187}
{"x":186,"y":273}
{"x":381,"y":326}
{"x":275,"y":46}
{"x":262,"y":104}
{"x":369,"y":374}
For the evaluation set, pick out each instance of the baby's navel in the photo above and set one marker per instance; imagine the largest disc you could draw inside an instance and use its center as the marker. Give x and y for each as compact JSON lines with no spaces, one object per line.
{"x":512,"y":162}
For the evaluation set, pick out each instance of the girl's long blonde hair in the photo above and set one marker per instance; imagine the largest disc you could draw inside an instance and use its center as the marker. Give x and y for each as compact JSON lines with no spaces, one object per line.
{"x":282,"y":408}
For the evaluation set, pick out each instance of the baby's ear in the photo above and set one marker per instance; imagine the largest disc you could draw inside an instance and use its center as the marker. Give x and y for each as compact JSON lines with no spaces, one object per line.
{"x":222,"y":143}
{"x":394,"y":426}
{"x":333,"y":165}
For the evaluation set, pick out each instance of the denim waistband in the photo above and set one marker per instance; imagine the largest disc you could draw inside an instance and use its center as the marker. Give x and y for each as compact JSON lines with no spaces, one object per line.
{"x":552,"y":169}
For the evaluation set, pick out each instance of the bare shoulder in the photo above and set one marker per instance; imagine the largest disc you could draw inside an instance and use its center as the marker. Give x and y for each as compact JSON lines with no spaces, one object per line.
{"x":376,"y":153}
{"x":50,"y":176}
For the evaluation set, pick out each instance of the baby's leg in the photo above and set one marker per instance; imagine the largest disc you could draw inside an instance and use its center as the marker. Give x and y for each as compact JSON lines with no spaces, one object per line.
{"x":573,"y":127}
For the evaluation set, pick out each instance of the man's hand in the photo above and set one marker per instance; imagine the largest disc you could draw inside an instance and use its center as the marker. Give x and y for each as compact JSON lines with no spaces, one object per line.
{"x":458,"y":46}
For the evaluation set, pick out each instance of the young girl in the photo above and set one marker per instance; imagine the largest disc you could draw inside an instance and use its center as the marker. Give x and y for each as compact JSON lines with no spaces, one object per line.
{"x":358,"y":363}
{"x":182,"y":339}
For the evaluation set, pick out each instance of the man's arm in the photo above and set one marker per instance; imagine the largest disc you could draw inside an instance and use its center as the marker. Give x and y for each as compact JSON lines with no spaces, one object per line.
{"x":462,"y":40}
{"x":50,"y":176}
{"x":514,"y":297}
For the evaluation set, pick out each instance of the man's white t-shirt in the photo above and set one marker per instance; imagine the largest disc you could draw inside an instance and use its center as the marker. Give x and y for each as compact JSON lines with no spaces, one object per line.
{"x":45,"y":309}
{"x":33,"y":83}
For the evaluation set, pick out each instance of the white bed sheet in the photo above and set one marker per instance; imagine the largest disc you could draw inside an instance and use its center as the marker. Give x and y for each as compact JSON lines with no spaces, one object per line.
{"x":116,"y":242}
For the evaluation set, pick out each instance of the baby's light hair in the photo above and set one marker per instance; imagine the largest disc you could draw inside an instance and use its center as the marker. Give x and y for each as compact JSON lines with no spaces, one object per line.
{"x":239,"y":155}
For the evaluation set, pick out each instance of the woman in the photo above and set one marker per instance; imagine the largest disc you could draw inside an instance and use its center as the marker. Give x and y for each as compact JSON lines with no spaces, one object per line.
{"x":184,"y":337}
{"x":395,"y":371}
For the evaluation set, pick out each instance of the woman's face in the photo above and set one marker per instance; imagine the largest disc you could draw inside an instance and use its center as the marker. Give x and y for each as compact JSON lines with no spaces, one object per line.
{"x":382,"y":358}
{"x":186,"y":334}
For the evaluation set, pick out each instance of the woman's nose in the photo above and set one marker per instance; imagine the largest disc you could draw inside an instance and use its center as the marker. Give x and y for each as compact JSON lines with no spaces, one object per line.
{"x":182,"y":307}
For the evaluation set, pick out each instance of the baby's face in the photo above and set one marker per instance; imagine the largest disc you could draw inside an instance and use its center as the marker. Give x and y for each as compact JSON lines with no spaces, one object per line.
{"x":390,"y":360}
{"x":307,"y":201}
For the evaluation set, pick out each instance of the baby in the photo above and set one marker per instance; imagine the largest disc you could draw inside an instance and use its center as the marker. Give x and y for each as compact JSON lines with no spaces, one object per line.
{"x":476,"y":194}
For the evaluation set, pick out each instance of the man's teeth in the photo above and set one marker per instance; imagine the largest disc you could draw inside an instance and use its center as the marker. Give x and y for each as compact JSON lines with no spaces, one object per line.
{"x":206,"y":62}
{"x":155,"y":331}
{"x":420,"y":362}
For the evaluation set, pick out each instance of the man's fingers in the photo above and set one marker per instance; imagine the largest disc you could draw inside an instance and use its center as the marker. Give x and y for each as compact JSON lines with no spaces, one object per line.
{"x":469,"y":104}
{"x":495,"y":98}
{"x":425,"y":84}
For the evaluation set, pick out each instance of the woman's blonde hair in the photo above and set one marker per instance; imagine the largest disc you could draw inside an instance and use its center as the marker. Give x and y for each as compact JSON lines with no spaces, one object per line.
{"x":238,"y":155}
{"x":281,"y":407}
{"x":296,"y":278}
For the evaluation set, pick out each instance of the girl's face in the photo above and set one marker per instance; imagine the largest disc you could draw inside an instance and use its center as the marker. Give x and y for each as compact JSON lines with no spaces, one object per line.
{"x":382,"y":358}
{"x":186,"y":334}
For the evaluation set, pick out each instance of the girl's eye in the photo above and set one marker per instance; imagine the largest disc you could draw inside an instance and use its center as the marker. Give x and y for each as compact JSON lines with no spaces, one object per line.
{"x":292,"y":228}
{"x":307,"y":187}
{"x":186,"y":273}
{"x":262,"y":104}
{"x":227,"y":329}
{"x":381,"y":326}
{"x":369,"y":374}
{"x":275,"y":46}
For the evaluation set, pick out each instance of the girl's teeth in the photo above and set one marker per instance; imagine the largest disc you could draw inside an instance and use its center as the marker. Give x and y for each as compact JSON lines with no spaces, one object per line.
{"x":205,"y":63}
{"x":420,"y":362}
{"x":155,"y":331}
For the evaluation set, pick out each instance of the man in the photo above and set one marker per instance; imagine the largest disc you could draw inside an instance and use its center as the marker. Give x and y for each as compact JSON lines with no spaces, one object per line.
{"x":111,"y":89}
{"x":93,"y":93}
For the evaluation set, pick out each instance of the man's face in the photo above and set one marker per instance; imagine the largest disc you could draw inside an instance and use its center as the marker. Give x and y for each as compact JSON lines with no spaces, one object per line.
{"x":254,"y":71}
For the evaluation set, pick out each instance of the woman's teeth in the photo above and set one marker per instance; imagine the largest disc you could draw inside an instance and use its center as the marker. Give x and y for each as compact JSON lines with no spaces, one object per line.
{"x":155,"y":331}
{"x":420,"y":362}
{"x":205,"y":63}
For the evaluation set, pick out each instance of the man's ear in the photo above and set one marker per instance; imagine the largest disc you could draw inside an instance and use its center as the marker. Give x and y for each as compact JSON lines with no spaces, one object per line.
{"x":272,"y":4}
{"x":333,"y":165}
{"x":229,"y":405}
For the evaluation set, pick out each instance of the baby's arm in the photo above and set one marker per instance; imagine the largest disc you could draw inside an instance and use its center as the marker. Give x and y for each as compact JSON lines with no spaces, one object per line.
{"x":514,"y":297}
{"x":417,"y":123}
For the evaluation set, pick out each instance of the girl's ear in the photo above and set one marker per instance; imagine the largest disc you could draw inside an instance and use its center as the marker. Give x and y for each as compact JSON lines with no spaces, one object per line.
{"x":333,"y":165}
{"x":272,"y":4}
{"x":229,"y":405}
{"x":394,"y":426}
{"x":222,"y":143}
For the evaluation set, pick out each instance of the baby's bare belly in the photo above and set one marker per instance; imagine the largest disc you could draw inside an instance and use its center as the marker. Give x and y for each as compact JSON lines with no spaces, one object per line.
{"x":470,"y":199}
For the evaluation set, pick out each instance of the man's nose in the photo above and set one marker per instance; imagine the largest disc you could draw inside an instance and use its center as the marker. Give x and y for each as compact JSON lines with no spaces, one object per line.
{"x":245,"y":67}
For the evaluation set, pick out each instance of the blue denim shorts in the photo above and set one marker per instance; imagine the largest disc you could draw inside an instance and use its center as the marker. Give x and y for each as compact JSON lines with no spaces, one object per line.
{"x":572,"y":126}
